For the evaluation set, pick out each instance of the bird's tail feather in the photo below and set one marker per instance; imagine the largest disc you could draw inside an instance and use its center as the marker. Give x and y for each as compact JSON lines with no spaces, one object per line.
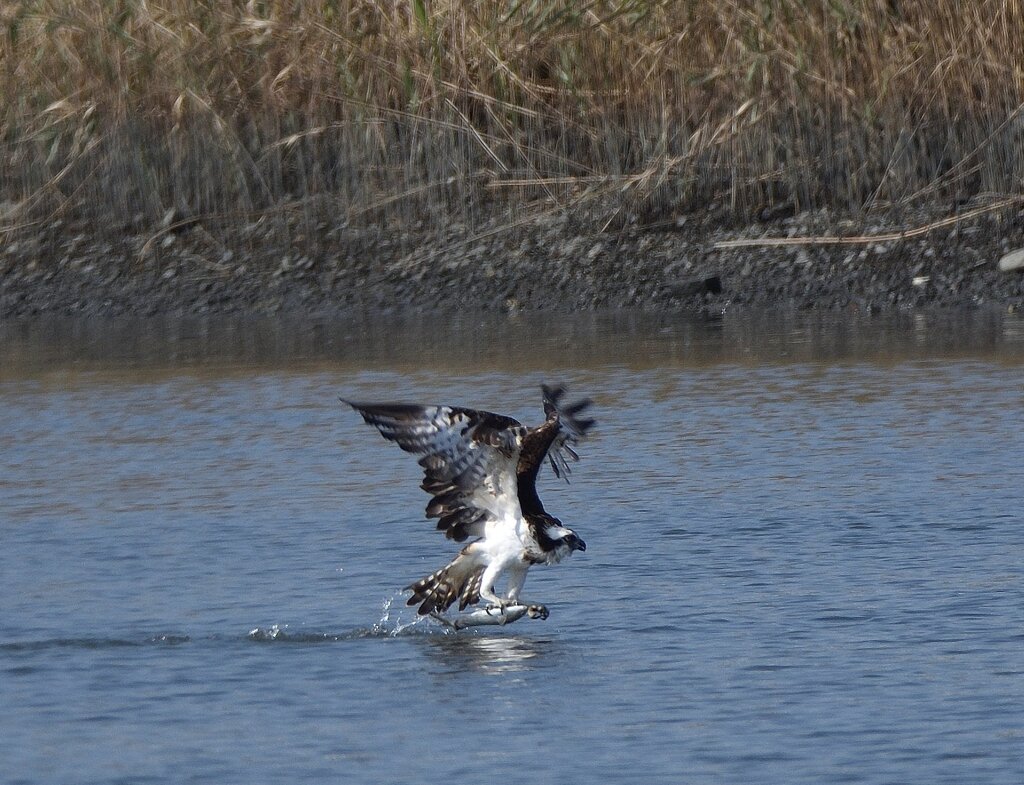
{"x":458,"y":580}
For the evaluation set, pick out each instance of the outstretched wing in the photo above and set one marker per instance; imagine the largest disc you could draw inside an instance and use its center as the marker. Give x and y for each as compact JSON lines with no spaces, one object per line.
{"x":570,"y":428}
{"x":555,"y":441}
{"x":469,"y":460}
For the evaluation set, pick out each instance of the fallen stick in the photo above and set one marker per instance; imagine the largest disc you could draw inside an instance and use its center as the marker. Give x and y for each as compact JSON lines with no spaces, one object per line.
{"x":869,"y":238}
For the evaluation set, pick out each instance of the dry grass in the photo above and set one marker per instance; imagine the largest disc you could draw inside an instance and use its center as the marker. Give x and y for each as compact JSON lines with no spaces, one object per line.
{"x":140,"y":113}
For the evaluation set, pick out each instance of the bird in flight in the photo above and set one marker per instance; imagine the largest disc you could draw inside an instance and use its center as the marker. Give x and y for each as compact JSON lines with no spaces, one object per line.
{"x":480,"y":469}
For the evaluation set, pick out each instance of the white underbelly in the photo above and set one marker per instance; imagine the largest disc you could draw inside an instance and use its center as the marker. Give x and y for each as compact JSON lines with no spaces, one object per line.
{"x":503,"y":540}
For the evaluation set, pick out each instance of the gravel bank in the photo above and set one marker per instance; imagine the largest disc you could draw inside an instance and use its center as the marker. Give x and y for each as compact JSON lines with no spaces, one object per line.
{"x":553,"y":263}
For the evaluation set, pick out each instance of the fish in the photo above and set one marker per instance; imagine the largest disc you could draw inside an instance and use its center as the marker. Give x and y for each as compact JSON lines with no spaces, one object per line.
{"x":492,"y":615}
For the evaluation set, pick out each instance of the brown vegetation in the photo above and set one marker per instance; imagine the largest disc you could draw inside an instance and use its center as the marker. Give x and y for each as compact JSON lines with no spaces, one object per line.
{"x":139,"y":114}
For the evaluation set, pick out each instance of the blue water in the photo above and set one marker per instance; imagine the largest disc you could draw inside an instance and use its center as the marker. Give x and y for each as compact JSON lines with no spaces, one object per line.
{"x":804,"y":558}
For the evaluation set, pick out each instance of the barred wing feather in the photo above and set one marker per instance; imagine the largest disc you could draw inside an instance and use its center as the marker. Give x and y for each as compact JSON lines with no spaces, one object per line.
{"x":468,"y":457}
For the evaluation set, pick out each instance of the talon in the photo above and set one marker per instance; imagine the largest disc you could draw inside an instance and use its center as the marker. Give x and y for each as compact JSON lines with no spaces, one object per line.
{"x":537,"y":612}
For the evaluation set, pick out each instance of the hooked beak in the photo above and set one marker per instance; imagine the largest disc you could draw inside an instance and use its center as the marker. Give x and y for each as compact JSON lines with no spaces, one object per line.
{"x":577,"y":544}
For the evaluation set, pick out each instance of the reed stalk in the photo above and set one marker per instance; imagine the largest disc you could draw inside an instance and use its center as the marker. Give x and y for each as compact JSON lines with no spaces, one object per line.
{"x":446,"y":113}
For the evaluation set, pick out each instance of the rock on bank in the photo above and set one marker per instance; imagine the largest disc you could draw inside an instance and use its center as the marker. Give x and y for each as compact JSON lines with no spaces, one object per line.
{"x":549,"y":263}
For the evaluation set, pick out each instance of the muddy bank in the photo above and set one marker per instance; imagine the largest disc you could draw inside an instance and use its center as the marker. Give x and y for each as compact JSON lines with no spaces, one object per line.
{"x":555,"y":263}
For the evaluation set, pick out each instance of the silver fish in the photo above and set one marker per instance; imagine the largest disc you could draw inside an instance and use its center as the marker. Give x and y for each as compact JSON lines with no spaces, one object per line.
{"x":493,"y":615}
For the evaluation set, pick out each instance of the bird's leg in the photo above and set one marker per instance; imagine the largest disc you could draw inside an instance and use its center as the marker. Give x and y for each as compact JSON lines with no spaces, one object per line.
{"x":495,"y":602}
{"x":487,"y":588}
{"x":517,"y":577}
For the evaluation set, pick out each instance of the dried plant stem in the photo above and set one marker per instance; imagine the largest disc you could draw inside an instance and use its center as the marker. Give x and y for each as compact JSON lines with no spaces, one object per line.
{"x":392,"y":111}
{"x":886,"y":237}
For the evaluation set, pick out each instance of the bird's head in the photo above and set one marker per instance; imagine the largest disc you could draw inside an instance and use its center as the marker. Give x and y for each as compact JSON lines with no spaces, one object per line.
{"x":575,"y":542}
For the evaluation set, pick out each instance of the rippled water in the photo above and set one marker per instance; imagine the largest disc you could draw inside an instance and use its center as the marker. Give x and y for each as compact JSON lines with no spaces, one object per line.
{"x":804,"y":557}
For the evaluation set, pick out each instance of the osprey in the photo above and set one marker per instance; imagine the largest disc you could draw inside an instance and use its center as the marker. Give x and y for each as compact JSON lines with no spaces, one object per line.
{"x":480,"y":469}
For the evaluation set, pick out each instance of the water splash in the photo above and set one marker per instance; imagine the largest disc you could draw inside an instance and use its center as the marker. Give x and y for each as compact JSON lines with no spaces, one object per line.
{"x":274,"y":633}
{"x":385,"y":626}
{"x":390,"y":625}
{"x":278,"y":633}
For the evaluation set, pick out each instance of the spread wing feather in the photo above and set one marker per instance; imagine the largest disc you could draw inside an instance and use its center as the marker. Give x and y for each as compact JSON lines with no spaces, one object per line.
{"x":571,"y":428}
{"x":468,"y":459}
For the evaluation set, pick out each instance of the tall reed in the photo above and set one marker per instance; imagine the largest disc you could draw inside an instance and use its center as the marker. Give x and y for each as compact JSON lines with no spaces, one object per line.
{"x":130,"y":113}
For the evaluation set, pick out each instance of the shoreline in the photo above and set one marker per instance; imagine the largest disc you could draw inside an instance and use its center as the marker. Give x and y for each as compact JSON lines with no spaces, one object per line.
{"x":551,"y":263}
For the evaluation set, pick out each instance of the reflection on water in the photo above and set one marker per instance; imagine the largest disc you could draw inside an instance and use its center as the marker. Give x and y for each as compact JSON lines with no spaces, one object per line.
{"x":528,"y":342}
{"x":491,"y":653}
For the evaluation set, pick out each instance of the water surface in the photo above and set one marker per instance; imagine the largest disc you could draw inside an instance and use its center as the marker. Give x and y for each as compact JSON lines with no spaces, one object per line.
{"x":803,"y":566}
